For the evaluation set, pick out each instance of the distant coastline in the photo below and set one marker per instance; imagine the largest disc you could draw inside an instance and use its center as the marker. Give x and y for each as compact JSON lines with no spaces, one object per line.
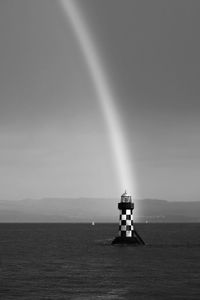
{"x":96,"y":209}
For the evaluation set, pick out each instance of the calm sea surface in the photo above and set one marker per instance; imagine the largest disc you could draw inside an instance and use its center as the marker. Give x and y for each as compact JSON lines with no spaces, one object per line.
{"x":76,"y":261}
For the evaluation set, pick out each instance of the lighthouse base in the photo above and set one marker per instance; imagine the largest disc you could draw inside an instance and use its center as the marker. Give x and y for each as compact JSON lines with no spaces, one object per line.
{"x":135,"y":240}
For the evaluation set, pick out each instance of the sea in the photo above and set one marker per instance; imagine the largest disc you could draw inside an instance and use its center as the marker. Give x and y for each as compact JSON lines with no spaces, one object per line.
{"x":77,"y":261}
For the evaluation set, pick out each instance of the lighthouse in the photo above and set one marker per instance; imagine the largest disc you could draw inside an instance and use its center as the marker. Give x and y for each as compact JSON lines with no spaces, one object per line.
{"x":127,"y":232}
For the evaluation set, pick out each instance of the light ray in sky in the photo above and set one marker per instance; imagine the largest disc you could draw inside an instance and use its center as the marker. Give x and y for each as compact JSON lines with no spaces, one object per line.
{"x":105,"y":96}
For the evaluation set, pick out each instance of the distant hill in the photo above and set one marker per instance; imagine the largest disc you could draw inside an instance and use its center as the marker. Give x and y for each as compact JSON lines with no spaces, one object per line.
{"x":96,"y":209}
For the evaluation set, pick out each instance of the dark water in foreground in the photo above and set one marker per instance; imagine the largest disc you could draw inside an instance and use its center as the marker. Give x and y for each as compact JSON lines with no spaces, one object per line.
{"x":76,"y":261}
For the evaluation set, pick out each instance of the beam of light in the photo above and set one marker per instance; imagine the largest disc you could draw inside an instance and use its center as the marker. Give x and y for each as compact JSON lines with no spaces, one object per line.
{"x":105,"y":96}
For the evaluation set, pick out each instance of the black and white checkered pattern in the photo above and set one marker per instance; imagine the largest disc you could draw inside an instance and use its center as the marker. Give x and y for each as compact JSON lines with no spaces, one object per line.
{"x":126,"y":223}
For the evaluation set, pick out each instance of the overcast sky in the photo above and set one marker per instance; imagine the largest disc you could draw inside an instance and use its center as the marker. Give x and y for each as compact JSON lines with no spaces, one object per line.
{"x":53,"y":137}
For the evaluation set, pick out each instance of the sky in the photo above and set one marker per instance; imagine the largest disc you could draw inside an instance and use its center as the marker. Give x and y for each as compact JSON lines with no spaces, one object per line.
{"x":54,"y":140}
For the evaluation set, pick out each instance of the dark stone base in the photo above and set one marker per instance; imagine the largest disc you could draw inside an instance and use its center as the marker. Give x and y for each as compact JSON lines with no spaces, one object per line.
{"x":135,"y":240}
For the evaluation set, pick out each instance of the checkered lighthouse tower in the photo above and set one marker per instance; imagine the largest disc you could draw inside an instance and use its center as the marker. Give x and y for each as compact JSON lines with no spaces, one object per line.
{"x":127,"y":232}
